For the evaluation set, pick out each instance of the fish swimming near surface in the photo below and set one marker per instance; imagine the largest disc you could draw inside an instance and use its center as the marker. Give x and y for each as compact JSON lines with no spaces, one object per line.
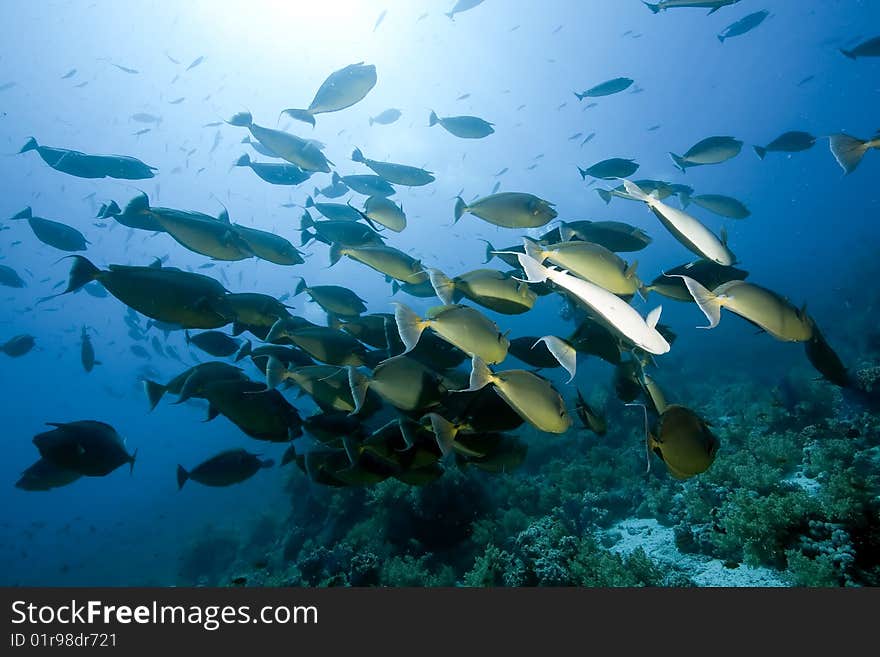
{"x":83,"y":165}
{"x":465,"y":127}
{"x":334,"y":211}
{"x":462,"y":6}
{"x":341,"y":89}
{"x":849,"y":151}
{"x":54,"y":233}
{"x":196,"y":62}
{"x":723,"y":206}
{"x":610,"y":169}
{"x":303,"y":153}
{"x":275,"y":173}
{"x":335,"y":189}
{"x":398,"y":174}
{"x":788,"y":142}
{"x":743,"y":25}
{"x":386,"y":212}
{"x":509,"y":210}
{"x":386,"y":117}
{"x":869,"y":48}
{"x":607,"y":88}
{"x":232,"y":466}
{"x":711,"y":5}
{"x":368,"y":184}
{"x":712,"y":150}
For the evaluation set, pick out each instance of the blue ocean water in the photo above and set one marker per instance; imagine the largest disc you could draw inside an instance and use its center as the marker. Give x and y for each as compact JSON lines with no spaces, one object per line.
{"x":812,"y":235}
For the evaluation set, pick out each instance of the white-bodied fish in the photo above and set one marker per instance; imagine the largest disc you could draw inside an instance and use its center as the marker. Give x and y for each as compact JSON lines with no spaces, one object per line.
{"x":685,"y":228}
{"x":616,"y":312}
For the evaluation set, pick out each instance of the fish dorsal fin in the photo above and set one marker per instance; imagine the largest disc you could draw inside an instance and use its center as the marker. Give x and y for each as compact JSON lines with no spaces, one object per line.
{"x":653,"y":317}
{"x":156,"y":264}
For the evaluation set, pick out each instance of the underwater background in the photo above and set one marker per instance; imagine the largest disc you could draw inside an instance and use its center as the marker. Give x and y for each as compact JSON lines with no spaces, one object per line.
{"x":793,"y":496}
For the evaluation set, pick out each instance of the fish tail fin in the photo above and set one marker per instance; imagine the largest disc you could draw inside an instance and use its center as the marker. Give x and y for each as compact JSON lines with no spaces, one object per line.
{"x":182,"y":476}
{"x":409,"y":325}
{"x":300,"y":287}
{"x":241,"y":119}
{"x":131,"y":460}
{"x":450,"y":15}
{"x":299,"y":115}
{"x":110,"y":209}
{"x":635,"y":191}
{"x":460,"y":208}
{"x":655,"y":8}
{"x":335,"y":253}
{"x":721,"y":38}
{"x":847,"y":53}
{"x":356,"y":155}
{"x":535,"y":272}
{"x":306,"y":237}
{"x":306,"y":221}
{"x":276,"y":372}
{"x":481,"y":375}
{"x":310,"y":202}
{"x":580,"y":96}
{"x":433,"y":119}
{"x":533,"y":250}
{"x":847,"y":150}
{"x":443,"y":286}
{"x":243,"y":161}
{"x":243,"y":351}
{"x":708,"y":302}
{"x":563,"y":352}
{"x":760,"y":151}
{"x":605,"y":195}
{"x":154,"y":391}
{"x":371,"y":122}
{"x":30,"y":145}
{"x":444,"y":432}
{"x":489,"y":251}
{"x":81,"y":273}
{"x":679,"y":162}
{"x":359,"y":385}
{"x":583,"y":173}
{"x":684,"y":198}
{"x":27,"y":213}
